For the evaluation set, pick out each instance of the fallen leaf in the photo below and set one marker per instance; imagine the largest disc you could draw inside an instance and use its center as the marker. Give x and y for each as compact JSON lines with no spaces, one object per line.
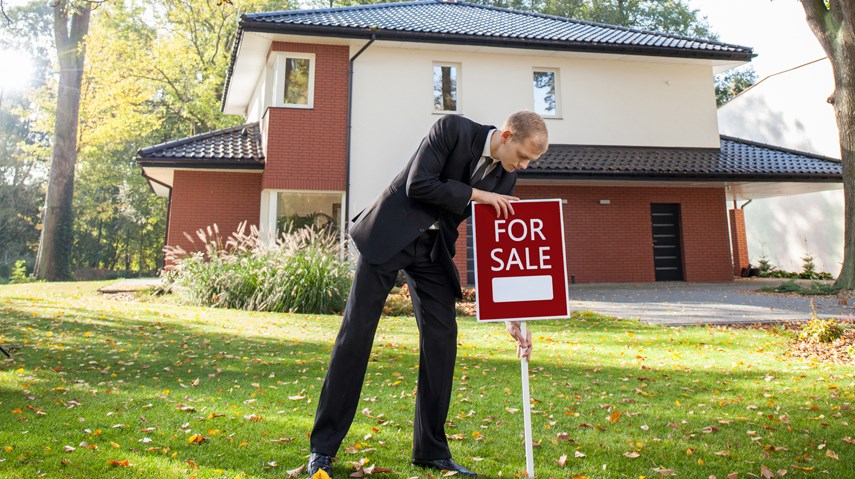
{"x":665,"y":472}
{"x":832,"y":454}
{"x":631,"y":455}
{"x":196,"y":439}
{"x":579,"y":454}
{"x":765,"y":472}
{"x":562,"y":461}
{"x":296,"y":472}
{"x":115,"y":463}
{"x":614,"y":416}
{"x":321,"y":474}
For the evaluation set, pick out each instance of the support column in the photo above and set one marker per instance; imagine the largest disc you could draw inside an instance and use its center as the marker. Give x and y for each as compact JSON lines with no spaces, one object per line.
{"x":738,"y":240}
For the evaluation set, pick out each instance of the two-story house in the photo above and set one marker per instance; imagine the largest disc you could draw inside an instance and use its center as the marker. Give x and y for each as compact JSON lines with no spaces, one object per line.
{"x":336,"y":101}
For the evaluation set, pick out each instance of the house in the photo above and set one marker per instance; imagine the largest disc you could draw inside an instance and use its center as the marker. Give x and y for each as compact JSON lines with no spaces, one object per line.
{"x":804,"y":221}
{"x":336,"y":100}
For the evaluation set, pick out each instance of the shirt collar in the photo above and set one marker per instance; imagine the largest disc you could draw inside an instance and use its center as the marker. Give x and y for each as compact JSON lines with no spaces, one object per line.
{"x":486,"y":151}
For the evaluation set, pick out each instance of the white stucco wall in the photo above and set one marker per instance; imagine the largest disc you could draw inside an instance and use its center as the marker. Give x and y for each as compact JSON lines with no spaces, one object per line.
{"x":790,"y":110}
{"x":605,"y":100}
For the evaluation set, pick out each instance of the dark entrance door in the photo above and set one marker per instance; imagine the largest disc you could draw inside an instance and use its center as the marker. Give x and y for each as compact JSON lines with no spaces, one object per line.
{"x":667,"y":253}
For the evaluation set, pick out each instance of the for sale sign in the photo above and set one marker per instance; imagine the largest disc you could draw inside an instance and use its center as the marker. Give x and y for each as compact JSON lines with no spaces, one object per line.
{"x":520,"y":262}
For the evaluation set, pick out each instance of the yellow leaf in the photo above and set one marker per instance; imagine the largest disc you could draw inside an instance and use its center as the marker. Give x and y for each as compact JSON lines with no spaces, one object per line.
{"x":614,"y":416}
{"x":115,"y":463}
{"x":321,"y":474}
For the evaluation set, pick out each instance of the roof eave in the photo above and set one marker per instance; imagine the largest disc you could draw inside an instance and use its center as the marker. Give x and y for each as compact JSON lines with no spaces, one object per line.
{"x":595,"y":175}
{"x":201,"y":164}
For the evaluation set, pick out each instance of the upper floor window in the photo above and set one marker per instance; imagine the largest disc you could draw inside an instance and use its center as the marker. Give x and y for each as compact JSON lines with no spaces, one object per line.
{"x":446,"y":84}
{"x":294,"y":79}
{"x":545,"y":83}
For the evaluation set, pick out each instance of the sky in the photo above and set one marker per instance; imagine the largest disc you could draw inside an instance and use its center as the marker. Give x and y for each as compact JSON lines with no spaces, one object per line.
{"x":775,"y":29}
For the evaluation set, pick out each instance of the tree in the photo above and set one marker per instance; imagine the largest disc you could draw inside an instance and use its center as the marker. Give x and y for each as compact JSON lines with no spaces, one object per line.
{"x":71,"y":23}
{"x":833,"y":23}
{"x":732,"y":83}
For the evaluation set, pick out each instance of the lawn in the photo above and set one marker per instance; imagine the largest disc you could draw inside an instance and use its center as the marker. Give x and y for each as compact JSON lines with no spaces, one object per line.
{"x":148,"y":388}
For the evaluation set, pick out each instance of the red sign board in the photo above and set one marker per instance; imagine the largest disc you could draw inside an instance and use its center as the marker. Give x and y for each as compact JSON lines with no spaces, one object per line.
{"x":520,"y":262}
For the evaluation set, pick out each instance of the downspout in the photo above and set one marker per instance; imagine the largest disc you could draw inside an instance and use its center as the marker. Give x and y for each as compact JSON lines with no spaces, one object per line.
{"x":349,"y":133}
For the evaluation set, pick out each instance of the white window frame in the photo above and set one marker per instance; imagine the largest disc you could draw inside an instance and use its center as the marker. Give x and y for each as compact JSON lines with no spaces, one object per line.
{"x":557,"y":73}
{"x":269,"y":213}
{"x":459,"y":67}
{"x":277,"y":64}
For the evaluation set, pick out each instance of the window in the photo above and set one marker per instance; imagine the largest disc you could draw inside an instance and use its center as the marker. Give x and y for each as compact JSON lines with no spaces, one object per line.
{"x":546,"y":92}
{"x":297,"y":209}
{"x":295,"y":79}
{"x":446,"y":84}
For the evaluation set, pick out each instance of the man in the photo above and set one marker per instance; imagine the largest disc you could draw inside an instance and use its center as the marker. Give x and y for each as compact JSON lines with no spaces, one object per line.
{"x":412,"y":226}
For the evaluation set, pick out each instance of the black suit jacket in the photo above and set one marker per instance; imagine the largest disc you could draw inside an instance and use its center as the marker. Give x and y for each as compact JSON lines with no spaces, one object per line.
{"x":434,"y":186}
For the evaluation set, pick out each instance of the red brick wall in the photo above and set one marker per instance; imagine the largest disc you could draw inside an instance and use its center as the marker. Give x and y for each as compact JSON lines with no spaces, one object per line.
{"x":306,"y":149}
{"x":613,"y":243}
{"x":203,"y":198}
{"x":738,"y":241}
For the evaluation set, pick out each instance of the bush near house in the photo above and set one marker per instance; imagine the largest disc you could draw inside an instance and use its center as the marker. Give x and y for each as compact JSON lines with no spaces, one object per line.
{"x":302,"y":272}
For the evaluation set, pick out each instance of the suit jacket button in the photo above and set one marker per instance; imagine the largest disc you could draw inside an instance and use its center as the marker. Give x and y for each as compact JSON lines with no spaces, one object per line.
{"x":421,"y":230}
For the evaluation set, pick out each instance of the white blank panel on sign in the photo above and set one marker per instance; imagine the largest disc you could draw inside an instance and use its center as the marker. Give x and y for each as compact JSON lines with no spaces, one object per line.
{"x":522,"y":288}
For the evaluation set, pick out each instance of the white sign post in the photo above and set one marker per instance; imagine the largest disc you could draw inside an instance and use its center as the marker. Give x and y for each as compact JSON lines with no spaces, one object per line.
{"x":529,"y":446}
{"x":521,"y":274}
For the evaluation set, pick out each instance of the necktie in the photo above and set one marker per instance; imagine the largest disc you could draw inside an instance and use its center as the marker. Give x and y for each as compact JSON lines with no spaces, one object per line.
{"x":479,"y":173}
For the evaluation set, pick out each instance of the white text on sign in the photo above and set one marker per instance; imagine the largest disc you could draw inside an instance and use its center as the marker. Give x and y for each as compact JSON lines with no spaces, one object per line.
{"x":524,"y":259}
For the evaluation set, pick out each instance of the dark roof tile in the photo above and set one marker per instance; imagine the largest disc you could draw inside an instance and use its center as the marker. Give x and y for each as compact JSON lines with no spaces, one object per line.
{"x":468,"y":22}
{"x":735,"y":160}
{"x":236,"y":147}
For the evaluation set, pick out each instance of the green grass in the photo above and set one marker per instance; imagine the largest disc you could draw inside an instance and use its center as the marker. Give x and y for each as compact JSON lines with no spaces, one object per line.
{"x":110,"y":378}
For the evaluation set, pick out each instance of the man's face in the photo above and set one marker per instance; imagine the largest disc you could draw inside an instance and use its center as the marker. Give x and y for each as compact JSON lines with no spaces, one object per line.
{"x":517,"y":155}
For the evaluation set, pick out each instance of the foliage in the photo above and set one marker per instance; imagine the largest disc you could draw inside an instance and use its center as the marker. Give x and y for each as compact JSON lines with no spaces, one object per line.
{"x":821,"y":331}
{"x":19,"y":273}
{"x":169,"y":391}
{"x":398,"y":304}
{"x":24,"y":148}
{"x":733,"y":82}
{"x":815,"y":289}
{"x":302,"y":272}
{"x":765,"y":265}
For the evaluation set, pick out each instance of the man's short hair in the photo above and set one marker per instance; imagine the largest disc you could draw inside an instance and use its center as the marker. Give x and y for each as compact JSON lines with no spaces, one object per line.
{"x":527,"y":124}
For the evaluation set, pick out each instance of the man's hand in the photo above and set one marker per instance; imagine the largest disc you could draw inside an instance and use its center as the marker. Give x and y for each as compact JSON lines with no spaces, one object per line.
{"x":502,"y":203}
{"x":523,"y":342}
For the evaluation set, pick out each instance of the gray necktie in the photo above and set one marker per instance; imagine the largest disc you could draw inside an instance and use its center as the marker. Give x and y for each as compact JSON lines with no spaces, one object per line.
{"x":479,"y":173}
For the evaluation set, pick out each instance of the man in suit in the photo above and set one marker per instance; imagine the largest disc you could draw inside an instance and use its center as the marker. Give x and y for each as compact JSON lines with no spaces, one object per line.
{"x":412,"y":226}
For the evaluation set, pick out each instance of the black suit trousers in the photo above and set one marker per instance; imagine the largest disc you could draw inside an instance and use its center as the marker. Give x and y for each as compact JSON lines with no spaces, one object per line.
{"x":433,"y":302}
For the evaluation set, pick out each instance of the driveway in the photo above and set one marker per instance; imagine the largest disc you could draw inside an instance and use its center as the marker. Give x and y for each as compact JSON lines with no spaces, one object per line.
{"x":680,"y":304}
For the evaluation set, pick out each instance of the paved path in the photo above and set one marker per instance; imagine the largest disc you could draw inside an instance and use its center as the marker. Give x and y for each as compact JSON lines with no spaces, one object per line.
{"x":677,"y":304}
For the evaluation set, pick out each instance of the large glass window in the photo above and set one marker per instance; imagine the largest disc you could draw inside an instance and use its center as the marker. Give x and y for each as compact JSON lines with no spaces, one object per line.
{"x":546,"y":92}
{"x":446,"y":83}
{"x":296,"y":209}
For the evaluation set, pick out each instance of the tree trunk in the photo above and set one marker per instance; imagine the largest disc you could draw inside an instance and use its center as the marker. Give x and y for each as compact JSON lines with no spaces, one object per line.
{"x":53,"y":259}
{"x":834,"y":27}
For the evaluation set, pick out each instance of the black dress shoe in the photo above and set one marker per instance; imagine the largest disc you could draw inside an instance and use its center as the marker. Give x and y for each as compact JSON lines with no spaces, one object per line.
{"x":444,"y":465}
{"x":319,"y":461}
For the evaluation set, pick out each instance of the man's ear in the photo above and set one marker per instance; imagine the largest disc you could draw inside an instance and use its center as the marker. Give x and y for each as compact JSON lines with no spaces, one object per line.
{"x":506,"y":135}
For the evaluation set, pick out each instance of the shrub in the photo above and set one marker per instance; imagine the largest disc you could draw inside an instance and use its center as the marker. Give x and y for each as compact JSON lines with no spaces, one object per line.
{"x":398,"y":305}
{"x":19,"y":273}
{"x":821,"y":331}
{"x":815,"y":289}
{"x":301,"y":272}
{"x":765,"y":265}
